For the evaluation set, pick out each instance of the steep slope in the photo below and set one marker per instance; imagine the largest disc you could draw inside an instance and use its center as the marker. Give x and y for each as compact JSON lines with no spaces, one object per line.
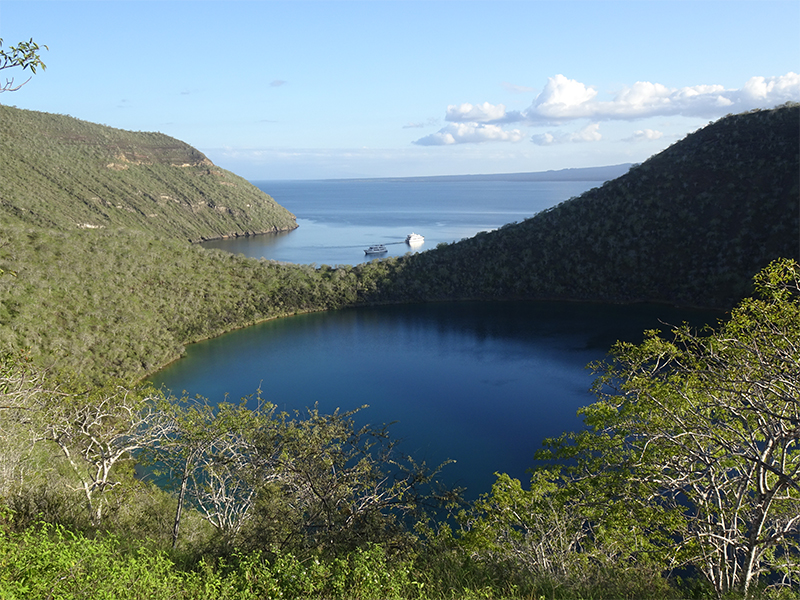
{"x":63,"y":173}
{"x":690,"y":226}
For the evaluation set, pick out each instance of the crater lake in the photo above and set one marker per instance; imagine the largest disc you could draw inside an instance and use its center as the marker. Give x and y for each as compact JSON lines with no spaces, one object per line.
{"x":481,"y":384}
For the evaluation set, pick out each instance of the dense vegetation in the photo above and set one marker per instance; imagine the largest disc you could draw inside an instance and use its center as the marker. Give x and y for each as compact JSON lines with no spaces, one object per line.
{"x":63,"y":173}
{"x":690,"y":226}
{"x":684,"y":483}
{"x":123,"y":303}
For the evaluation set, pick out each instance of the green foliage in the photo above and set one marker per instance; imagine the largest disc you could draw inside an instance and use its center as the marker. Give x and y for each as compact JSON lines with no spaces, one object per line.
{"x":66,"y":174}
{"x":24,"y":55}
{"x":564,"y":541}
{"x":49,"y":561}
{"x":52,"y":562}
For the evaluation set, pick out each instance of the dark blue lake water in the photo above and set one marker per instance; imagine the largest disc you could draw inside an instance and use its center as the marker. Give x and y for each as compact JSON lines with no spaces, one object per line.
{"x":479,"y":383}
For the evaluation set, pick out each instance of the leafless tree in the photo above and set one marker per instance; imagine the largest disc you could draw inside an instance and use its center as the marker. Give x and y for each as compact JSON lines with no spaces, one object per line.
{"x":96,"y":431}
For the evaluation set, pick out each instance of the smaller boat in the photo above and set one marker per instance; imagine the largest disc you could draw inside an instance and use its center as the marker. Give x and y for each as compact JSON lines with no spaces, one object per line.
{"x":377,"y":249}
{"x":413,"y":239}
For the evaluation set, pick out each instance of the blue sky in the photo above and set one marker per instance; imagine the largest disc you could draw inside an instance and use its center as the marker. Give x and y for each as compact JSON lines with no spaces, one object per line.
{"x":309,"y":90}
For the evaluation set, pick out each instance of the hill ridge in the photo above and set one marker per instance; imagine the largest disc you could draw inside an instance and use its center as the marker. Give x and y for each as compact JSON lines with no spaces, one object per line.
{"x":62,"y":172}
{"x":691,"y":226}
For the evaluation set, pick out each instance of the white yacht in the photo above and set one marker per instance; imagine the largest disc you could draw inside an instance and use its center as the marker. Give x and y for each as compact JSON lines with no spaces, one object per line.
{"x":377,"y":249}
{"x":413,"y":239}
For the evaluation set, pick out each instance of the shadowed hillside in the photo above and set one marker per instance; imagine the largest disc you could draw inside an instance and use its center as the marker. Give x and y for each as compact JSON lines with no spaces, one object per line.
{"x":62,"y":173}
{"x":690,"y":226}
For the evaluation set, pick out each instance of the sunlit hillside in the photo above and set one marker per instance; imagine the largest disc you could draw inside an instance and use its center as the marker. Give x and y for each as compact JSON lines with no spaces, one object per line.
{"x":97,"y":222}
{"x":63,"y":173}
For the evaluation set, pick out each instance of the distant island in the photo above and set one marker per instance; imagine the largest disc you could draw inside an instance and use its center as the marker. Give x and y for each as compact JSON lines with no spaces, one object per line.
{"x":577,"y":174}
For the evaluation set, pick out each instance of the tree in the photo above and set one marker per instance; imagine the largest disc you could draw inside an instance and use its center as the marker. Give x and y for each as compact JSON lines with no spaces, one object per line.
{"x":96,"y":431}
{"x":565,"y":537}
{"x":336,"y":486}
{"x":707,"y":425}
{"x":212,"y":451}
{"x":265,"y":479}
{"x":24,"y":55}
{"x":20,"y":386}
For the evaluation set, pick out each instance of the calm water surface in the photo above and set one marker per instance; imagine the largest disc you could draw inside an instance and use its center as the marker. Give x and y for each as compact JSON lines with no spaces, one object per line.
{"x":338,"y":219}
{"x":480,"y":383}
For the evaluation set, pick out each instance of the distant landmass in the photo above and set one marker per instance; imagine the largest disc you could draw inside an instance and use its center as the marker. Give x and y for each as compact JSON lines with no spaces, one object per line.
{"x":577,"y":174}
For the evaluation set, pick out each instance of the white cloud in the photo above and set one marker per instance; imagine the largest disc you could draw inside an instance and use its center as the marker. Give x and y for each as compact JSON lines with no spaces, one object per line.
{"x":644,"y":135}
{"x":772,"y":89}
{"x":590,"y":133}
{"x":476,"y":113}
{"x":562,"y":98}
{"x":565,"y":99}
{"x":464,"y":133}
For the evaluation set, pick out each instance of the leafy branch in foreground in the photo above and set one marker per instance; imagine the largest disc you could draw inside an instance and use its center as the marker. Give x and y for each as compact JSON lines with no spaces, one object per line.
{"x":708,"y":426}
{"x":24,"y":55}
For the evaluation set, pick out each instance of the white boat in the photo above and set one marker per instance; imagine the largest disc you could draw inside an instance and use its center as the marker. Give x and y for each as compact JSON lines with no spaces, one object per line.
{"x":377,"y":249}
{"x":413,"y":239}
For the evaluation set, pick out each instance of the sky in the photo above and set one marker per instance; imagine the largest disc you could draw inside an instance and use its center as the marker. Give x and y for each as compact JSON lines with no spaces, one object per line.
{"x":350,"y":89}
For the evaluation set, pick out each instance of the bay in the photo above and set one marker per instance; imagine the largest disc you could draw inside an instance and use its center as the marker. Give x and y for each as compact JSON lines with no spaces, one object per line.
{"x":339,"y":219}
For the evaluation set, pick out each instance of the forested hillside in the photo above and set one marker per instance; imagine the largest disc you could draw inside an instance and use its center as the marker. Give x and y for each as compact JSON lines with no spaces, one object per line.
{"x":96,"y":222}
{"x":690,"y":226}
{"x":62,"y":173}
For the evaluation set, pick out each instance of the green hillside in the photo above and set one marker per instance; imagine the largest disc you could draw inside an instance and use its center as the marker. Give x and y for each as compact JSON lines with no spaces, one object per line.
{"x":690,"y":226}
{"x":62,"y":173}
{"x":107,"y":291}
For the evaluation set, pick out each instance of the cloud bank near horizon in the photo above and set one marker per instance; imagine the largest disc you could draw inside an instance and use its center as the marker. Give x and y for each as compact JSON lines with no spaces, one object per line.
{"x":563,"y":100}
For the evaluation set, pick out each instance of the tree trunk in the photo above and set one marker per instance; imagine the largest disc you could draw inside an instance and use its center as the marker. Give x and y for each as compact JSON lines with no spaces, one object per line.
{"x":181,"y":496}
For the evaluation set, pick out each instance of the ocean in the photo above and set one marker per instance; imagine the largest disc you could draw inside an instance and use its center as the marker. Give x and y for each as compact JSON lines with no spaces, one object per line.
{"x":339,"y":219}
